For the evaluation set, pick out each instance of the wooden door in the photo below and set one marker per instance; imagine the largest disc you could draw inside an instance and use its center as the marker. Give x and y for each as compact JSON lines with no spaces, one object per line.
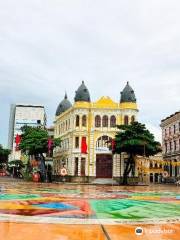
{"x":76,"y":166}
{"x":104,"y":166}
{"x":83,"y":163}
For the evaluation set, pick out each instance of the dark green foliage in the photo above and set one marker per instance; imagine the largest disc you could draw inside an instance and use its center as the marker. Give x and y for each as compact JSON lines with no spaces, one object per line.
{"x":34,"y":141}
{"x":135,"y":139}
{"x":56,"y":142}
{"x":4,"y":153}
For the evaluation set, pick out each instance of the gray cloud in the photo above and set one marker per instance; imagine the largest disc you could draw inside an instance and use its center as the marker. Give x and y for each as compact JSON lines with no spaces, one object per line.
{"x":47,"y":47}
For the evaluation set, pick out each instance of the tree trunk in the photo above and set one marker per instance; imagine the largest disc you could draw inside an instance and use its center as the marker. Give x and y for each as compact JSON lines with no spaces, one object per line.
{"x":125,"y":175}
{"x":43,"y":168}
{"x":28,"y":166}
{"x":128,"y":169}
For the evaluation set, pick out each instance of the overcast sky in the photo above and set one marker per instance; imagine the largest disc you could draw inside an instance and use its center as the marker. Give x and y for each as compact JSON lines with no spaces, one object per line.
{"x":49,"y":46}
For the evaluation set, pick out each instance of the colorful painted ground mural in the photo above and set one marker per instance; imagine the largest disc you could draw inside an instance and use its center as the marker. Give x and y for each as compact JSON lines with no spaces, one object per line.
{"x":34,"y":211}
{"x":84,"y":204}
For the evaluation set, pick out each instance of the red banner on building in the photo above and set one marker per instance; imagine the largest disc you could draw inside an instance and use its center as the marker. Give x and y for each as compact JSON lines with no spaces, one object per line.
{"x":17,"y":141}
{"x":83,"y":145}
{"x":50,"y":144}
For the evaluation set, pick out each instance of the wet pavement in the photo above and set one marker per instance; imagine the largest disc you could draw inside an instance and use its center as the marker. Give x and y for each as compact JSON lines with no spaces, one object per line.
{"x":73,"y":212}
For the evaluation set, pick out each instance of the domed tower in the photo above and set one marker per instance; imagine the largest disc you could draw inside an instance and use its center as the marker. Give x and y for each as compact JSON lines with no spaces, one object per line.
{"x":82,"y":94}
{"x":63,"y":106}
{"x":128,"y":105}
{"x":127,"y":95}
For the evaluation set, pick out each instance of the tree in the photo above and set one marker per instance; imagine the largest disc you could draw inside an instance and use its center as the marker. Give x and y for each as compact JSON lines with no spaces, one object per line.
{"x":14,"y":167}
{"x":4,"y":153}
{"x":34,"y":141}
{"x":134,"y":139}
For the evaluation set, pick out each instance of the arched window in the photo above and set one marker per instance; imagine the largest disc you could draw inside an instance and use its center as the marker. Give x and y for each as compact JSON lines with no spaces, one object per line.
{"x":132,"y":119}
{"x":105,"y":121}
{"x":103,"y":142}
{"x":77,"y":120}
{"x":84,"y":120}
{"x":126,"y":120}
{"x":97,"y":121}
{"x":113,"y":121}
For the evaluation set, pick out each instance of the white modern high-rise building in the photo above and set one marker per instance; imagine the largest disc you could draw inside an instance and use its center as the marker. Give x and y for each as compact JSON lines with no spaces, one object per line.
{"x":20,"y":115}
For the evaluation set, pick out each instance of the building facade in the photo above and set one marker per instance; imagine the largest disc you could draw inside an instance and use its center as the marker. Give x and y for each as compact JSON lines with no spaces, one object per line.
{"x":150,"y":169}
{"x":86,"y":129}
{"x":49,"y":154}
{"x":171,"y":144}
{"x":20,"y":115}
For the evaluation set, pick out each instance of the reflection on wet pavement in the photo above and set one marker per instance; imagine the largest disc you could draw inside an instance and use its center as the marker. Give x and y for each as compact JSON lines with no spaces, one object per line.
{"x":64,"y":211}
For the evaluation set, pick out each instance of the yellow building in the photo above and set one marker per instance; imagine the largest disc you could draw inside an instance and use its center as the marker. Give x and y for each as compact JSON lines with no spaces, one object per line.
{"x":86,"y":129}
{"x":150,"y":169}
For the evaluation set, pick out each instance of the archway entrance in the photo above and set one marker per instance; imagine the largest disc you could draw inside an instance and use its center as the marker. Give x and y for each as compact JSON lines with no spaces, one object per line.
{"x":151,"y":177}
{"x":104,"y":165}
{"x":156,"y":177}
{"x":104,"y":160}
